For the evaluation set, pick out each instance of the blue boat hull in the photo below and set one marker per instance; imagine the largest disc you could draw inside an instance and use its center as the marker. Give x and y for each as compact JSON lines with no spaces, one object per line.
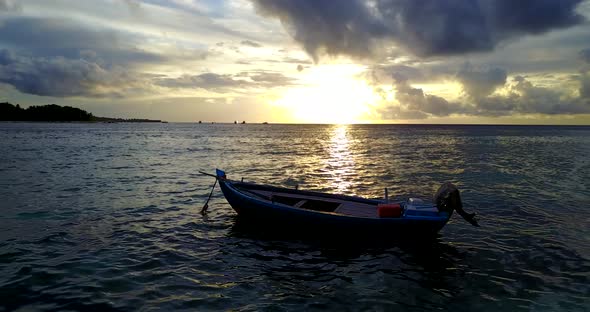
{"x":267,"y":214}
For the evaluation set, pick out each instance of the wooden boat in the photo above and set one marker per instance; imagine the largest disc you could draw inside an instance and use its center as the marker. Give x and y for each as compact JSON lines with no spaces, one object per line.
{"x":309,"y":210}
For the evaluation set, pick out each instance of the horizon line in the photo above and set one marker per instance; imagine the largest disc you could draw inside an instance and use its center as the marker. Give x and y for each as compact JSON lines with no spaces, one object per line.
{"x":376,"y":124}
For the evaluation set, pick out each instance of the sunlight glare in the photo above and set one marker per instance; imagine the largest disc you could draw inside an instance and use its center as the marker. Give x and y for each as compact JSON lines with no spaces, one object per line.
{"x":332,"y":94}
{"x":341,"y":163}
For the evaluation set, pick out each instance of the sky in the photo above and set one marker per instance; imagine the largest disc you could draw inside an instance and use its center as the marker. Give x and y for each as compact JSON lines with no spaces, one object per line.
{"x":302,"y":61}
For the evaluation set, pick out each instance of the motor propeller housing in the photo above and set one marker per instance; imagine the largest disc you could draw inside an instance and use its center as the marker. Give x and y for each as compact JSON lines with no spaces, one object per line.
{"x":447,"y":198}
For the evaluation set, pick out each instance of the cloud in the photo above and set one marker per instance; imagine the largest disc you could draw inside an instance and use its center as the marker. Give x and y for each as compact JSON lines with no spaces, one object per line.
{"x":270,"y":79}
{"x":226,"y":82}
{"x":209,"y":81}
{"x":585,"y":55}
{"x":413,"y":103}
{"x":333,"y":27}
{"x":585,"y":86}
{"x":413,"y":99}
{"x":392,"y":112}
{"x":521,"y":97}
{"x":291,"y":60}
{"x":527,"y":98}
{"x":425,"y":28}
{"x":381,"y":73}
{"x":295,"y":60}
{"x":9,"y":5}
{"x":250,"y":43}
{"x":62,"y":58}
{"x":44,"y":37}
{"x":133,"y":4}
{"x":61,"y":77}
{"x":481,"y":82}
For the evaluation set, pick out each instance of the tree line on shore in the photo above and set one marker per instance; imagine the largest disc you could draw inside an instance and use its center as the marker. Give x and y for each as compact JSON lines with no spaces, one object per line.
{"x":53,"y":112}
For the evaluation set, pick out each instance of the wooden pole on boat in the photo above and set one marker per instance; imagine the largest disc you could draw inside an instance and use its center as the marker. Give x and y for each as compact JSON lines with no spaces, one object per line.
{"x":211,"y":193}
{"x":208,"y":174}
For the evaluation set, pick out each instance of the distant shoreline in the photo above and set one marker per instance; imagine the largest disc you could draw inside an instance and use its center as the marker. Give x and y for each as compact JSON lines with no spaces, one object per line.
{"x":83,"y":121}
{"x":55,"y":113}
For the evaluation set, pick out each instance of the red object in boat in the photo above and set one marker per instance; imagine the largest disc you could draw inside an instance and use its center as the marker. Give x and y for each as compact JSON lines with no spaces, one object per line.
{"x":389,"y":210}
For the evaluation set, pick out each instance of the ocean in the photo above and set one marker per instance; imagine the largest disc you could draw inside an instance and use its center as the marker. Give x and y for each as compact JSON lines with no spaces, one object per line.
{"x":107,"y":217}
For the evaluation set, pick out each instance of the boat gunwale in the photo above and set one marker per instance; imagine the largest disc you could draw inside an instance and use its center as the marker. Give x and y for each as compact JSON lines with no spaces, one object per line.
{"x":358,"y":199}
{"x":234,"y":187}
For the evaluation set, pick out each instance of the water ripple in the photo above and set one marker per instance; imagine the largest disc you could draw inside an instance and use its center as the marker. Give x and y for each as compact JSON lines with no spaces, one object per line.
{"x":106,"y":217}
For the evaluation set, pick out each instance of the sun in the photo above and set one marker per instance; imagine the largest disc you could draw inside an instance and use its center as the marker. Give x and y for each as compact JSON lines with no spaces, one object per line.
{"x":330,"y":94}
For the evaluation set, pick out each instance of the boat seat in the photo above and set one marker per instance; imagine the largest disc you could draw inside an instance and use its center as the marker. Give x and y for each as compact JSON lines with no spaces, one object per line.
{"x":358,"y":210}
{"x":318,"y":204}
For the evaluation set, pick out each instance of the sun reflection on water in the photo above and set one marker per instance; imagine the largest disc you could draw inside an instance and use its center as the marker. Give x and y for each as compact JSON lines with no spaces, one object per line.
{"x":340,"y":165}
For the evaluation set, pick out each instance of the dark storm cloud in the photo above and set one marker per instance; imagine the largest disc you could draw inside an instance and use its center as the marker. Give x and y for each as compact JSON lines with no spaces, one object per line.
{"x":44,"y":37}
{"x":337,"y":27}
{"x":61,"y":77}
{"x":426,"y":28}
{"x":585,"y":55}
{"x":480,"y":82}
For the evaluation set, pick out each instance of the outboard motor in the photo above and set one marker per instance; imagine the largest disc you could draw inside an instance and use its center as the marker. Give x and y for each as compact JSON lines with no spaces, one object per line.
{"x":447,"y":199}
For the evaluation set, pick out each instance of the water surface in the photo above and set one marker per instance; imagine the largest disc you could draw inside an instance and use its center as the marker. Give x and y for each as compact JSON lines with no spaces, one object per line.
{"x":106,"y":216}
